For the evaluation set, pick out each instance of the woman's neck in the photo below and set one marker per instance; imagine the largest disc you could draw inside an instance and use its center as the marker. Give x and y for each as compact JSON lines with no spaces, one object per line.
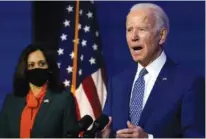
{"x":35,"y":89}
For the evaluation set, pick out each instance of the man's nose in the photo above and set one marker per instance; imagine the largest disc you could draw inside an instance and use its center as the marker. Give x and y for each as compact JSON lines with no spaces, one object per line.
{"x":135,"y":36}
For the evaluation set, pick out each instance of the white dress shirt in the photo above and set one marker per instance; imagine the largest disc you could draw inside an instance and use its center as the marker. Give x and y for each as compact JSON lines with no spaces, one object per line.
{"x":153,"y":70}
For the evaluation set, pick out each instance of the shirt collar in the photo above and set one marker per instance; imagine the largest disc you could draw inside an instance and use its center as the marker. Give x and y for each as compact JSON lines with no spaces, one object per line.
{"x":155,"y":67}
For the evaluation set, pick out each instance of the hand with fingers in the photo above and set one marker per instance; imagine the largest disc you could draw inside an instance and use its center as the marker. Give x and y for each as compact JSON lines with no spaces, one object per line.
{"x":131,"y":132}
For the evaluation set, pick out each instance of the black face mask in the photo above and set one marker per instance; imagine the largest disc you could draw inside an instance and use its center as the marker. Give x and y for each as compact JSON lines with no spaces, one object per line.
{"x":38,"y":76}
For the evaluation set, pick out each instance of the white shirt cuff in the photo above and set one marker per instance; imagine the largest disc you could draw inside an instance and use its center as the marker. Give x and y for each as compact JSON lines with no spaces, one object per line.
{"x":150,"y":136}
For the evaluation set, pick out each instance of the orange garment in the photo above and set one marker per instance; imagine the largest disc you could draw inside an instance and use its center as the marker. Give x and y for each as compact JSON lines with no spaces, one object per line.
{"x":30,"y":111}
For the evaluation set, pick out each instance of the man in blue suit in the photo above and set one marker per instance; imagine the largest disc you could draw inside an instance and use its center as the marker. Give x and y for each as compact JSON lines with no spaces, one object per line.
{"x":155,"y":98}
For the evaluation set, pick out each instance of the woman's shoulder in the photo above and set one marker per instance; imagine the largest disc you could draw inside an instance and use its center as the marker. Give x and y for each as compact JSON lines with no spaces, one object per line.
{"x":63,"y":95}
{"x":8,"y":100}
{"x":8,"y":97}
{"x":11,"y":96}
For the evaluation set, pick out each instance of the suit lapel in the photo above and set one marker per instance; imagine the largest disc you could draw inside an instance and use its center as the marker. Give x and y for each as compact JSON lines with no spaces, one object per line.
{"x":160,"y":88}
{"x":42,"y":111}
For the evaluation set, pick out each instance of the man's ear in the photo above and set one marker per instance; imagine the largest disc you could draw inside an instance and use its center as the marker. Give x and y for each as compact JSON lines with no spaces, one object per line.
{"x":163,"y":36}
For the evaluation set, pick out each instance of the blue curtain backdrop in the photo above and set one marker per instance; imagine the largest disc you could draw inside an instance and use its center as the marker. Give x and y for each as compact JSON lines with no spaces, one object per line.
{"x":15,"y":34}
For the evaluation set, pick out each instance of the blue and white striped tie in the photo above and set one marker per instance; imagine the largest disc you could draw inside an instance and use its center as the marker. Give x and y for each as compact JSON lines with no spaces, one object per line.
{"x":136,"y":102}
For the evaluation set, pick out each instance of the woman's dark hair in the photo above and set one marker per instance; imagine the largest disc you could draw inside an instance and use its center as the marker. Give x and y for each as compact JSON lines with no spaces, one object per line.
{"x":20,"y":82}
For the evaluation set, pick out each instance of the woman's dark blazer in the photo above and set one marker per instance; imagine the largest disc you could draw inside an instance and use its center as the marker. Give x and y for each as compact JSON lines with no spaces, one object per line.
{"x":57,"y":115}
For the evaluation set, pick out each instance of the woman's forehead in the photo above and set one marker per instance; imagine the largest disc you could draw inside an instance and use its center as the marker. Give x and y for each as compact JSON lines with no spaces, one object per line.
{"x":36,"y":56}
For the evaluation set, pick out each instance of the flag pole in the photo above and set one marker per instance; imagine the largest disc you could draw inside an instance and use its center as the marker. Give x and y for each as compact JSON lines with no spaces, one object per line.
{"x":76,"y":41}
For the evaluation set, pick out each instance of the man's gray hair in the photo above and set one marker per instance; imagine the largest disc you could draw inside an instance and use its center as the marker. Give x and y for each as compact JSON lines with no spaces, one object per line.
{"x":162,"y":19}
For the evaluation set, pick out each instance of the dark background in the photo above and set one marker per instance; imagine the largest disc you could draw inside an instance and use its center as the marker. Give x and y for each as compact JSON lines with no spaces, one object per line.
{"x":26,"y":22}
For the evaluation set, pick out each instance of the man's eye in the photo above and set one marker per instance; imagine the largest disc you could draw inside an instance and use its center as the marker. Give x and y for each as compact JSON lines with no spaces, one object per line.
{"x":129,"y":29}
{"x":142,"y":29}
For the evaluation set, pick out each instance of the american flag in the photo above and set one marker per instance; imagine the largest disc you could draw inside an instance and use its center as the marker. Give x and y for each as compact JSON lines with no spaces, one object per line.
{"x":86,"y":79}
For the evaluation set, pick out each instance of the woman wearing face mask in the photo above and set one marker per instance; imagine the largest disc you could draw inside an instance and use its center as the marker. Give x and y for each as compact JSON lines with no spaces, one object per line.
{"x":38,"y":106}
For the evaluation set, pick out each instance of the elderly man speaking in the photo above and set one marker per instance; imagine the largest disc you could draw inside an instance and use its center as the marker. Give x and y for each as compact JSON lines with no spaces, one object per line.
{"x":155,"y":98}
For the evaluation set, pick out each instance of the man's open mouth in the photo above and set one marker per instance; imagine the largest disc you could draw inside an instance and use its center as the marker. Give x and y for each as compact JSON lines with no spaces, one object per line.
{"x":137,"y":48}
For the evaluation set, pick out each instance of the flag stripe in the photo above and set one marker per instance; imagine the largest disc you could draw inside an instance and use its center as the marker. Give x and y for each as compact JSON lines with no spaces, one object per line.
{"x":91,"y":93}
{"x":103,"y":72}
{"x":83,"y":102}
{"x":100,"y":86}
{"x":77,"y":109}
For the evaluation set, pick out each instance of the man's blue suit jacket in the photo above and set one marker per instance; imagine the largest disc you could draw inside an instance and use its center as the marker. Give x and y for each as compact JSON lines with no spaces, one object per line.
{"x":175,"y":107}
